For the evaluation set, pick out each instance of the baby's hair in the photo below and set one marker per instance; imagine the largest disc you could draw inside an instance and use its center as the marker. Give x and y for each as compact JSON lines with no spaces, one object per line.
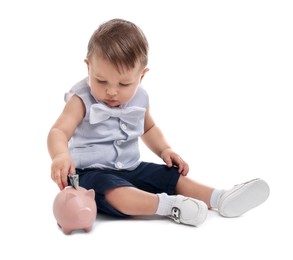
{"x":120,"y":42}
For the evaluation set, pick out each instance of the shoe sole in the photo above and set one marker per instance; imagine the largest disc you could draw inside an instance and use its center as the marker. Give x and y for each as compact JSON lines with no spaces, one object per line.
{"x":243,"y":198}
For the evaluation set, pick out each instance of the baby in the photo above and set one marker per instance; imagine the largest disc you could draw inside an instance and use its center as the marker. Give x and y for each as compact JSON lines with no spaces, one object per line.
{"x":96,"y":136}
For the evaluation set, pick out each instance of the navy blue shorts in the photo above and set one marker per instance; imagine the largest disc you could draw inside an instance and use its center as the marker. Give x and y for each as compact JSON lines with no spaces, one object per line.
{"x":150,"y":177}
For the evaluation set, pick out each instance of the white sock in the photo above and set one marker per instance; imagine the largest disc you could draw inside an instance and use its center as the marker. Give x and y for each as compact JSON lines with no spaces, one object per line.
{"x":165,"y":204}
{"x":216,"y":195}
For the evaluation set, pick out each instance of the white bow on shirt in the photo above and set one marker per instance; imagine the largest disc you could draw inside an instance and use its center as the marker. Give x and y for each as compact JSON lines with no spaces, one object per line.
{"x":130,"y":115}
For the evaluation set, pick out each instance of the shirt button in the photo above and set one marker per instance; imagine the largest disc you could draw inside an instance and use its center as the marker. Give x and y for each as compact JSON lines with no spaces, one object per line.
{"x":118,"y":142}
{"x":119,"y":165}
{"x":124,"y":126}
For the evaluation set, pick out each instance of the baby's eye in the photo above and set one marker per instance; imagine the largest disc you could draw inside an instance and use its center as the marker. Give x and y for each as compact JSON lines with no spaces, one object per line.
{"x":102,"y":81}
{"x":124,"y":85}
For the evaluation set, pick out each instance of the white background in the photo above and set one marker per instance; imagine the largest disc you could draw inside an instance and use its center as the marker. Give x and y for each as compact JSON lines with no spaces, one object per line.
{"x":220,"y":85}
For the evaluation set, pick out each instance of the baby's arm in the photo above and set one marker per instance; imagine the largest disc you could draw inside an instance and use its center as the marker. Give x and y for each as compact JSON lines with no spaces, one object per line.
{"x":156,"y":142}
{"x":58,"y":138}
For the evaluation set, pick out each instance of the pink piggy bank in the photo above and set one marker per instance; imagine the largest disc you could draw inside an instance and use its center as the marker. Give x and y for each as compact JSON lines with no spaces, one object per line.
{"x":75,"y":209}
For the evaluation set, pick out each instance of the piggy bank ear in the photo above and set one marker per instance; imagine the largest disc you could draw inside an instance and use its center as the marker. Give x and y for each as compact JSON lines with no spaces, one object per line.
{"x":70,"y":195}
{"x":90,"y":193}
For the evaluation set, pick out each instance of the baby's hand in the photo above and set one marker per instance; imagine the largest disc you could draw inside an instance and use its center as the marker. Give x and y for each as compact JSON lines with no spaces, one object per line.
{"x":171,"y":158}
{"x":62,"y":165}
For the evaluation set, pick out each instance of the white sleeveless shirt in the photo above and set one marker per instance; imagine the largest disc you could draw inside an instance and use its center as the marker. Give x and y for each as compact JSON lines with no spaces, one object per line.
{"x":107,"y":137}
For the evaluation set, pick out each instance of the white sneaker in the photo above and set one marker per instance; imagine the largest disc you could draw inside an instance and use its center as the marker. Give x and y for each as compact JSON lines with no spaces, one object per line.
{"x":188,"y":211}
{"x":243,"y":197}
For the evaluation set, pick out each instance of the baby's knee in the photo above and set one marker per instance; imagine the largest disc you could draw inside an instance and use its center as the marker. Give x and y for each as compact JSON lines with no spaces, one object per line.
{"x":116,"y":194}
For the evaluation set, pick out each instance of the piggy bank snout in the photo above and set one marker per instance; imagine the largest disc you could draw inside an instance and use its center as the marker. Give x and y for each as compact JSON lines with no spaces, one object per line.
{"x":85,"y":214}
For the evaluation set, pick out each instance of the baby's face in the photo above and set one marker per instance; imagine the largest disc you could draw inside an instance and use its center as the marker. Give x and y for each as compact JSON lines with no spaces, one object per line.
{"x":110,"y":86}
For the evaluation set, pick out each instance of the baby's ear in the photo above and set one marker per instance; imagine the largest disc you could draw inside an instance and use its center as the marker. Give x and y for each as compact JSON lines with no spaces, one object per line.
{"x":143,"y":73}
{"x":87,"y":63}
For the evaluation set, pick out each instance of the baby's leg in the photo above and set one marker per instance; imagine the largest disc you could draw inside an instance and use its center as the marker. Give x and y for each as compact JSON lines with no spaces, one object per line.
{"x":132,"y":201}
{"x":190,"y":188}
{"x":229,"y":203}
